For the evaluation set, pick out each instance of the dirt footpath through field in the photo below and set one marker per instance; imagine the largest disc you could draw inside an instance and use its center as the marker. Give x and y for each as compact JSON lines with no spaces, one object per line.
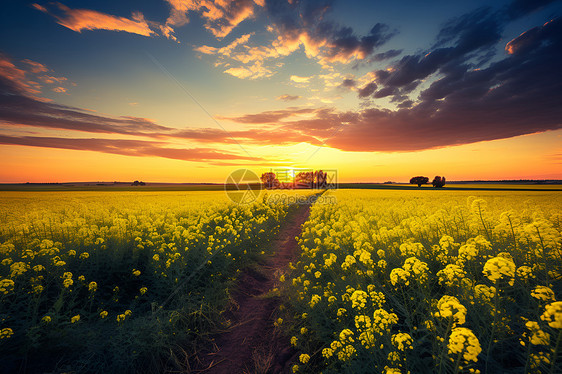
{"x":251,"y":345}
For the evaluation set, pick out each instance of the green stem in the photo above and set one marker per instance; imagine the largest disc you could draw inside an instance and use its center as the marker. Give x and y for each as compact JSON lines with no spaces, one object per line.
{"x":457,"y":364}
{"x":555,"y":355}
{"x":441,"y":358}
{"x":493,"y":331}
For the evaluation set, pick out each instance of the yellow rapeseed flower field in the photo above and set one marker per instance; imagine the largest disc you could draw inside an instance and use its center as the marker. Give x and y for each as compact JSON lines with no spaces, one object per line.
{"x":429,"y":282}
{"x":116,"y":281}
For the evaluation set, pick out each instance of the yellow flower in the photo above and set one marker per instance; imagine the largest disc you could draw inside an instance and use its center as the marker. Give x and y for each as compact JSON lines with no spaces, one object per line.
{"x":84,"y":255}
{"x":358,"y":299}
{"x":449,"y":306}
{"x":536,"y":360}
{"x":46,"y":319}
{"x":367,"y":338}
{"x":75,"y":319}
{"x":6,"y":286}
{"x":399,"y":276}
{"x":295,"y":368}
{"x":418,"y":268}
{"x":499,"y":268}
{"x":103,"y":314}
{"x":362,"y":322}
{"x":38,"y":268}
{"x":317,"y":274}
{"x":468,"y":251}
{"x":6,"y":333}
{"x":538,"y":336}
{"x":143,"y":290}
{"x":304,"y":358}
{"x":382,"y":321}
{"x":294,"y":341}
{"x":18,"y":268}
{"x":484,"y":293}
{"x":451,"y":276}
{"x":136,"y":272}
{"x":411,"y":249}
{"x":314,"y":300}
{"x":525,"y":272}
{"x":156,"y":257}
{"x":67,"y":282}
{"x":93,"y":286}
{"x":304,"y":330}
{"x":389,"y":370}
{"x":327,"y":352}
{"x":346,"y":336}
{"x":346,"y":353}
{"x":463,"y":341}
{"x":543,"y":293}
{"x":402,"y":341}
{"x":553,"y":314}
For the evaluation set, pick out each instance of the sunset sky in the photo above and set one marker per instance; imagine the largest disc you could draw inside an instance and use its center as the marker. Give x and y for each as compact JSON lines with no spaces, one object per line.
{"x":190,"y":90}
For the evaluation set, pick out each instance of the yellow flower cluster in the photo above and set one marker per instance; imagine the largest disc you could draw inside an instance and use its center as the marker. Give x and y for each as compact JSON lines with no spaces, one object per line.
{"x":553,"y":314}
{"x":402,"y":341}
{"x":6,"y":333}
{"x":499,"y":268}
{"x":399,"y":276}
{"x":450,"y":307}
{"x":543,"y":293}
{"x":451,"y":276}
{"x":6,"y":286}
{"x":358,"y":299}
{"x":463,"y":342}
{"x":538,"y":336}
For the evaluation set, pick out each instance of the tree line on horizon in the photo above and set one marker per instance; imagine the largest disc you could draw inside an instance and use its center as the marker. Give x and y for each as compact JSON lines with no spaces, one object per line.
{"x":437,"y":182}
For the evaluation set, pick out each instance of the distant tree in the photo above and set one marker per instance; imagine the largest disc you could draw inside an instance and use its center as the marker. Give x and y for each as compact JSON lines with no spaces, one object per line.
{"x":419,"y":180}
{"x":438,"y":181}
{"x":270,"y":180}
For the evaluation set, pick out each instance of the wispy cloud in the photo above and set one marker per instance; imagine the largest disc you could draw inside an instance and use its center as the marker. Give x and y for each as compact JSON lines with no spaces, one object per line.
{"x":139,"y":148}
{"x":287,"y":97}
{"x":86,"y":19}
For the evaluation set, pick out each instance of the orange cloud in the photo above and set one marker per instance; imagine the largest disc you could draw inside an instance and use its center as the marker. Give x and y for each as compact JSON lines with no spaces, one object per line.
{"x":86,"y":19}
{"x":16,"y":79}
{"x":36,"y":67}
{"x":254,"y":71}
{"x":221,"y":16}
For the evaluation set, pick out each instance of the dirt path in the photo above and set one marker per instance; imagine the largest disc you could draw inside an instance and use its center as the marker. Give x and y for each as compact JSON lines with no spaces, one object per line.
{"x":251,"y":345}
